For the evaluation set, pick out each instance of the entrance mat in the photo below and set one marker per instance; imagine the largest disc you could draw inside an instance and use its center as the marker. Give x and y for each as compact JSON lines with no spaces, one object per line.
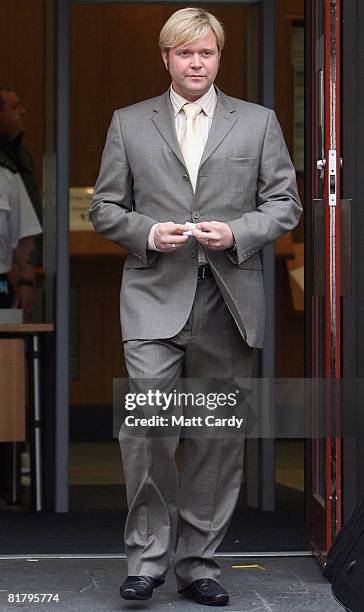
{"x":100,"y":531}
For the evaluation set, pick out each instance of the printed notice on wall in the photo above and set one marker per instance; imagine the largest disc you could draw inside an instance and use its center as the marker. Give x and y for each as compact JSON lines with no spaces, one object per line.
{"x":80,"y":200}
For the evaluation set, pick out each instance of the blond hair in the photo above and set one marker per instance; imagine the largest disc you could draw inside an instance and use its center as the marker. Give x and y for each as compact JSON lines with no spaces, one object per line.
{"x":187,"y":25}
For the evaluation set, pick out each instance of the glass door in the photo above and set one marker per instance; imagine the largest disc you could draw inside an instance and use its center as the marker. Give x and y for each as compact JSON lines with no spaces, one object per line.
{"x":324,"y":264}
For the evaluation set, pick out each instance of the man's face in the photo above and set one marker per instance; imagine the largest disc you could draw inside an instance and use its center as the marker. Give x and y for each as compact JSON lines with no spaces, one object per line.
{"x":11,"y":115}
{"x":193,"y":67}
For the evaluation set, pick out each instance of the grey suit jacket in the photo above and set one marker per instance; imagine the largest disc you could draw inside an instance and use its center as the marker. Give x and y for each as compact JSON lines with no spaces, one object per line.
{"x":245,"y":179}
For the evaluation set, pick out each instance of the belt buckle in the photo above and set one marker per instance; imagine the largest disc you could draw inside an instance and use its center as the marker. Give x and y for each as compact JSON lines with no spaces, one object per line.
{"x":202,"y":272}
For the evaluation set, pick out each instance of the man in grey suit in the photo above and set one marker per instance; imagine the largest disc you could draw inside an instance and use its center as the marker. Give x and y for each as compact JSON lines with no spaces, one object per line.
{"x":194,"y":183}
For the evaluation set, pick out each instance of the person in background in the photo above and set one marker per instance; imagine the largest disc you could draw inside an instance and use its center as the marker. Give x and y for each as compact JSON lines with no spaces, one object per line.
{"x":17,"y":218}
{"x":9,"y":227}
{"x":13,"y":151}
{"x":19,"y":226}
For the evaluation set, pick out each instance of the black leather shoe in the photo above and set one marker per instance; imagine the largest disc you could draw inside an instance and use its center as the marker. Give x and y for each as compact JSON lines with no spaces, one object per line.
{"x":206,"y":591}
{"x":139,"y":587}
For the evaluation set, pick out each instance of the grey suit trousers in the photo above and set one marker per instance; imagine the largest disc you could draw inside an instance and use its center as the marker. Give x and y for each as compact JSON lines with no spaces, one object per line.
{"x":180,"y":519}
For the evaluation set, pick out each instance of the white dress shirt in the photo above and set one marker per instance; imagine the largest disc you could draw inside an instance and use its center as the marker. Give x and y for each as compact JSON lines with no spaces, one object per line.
{"x":9,"y":217}
{"x":29,"y":224}
{"x":203,"y":124}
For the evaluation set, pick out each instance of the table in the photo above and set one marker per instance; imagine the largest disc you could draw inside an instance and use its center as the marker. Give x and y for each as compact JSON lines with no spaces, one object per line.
{"x":31,"y":334}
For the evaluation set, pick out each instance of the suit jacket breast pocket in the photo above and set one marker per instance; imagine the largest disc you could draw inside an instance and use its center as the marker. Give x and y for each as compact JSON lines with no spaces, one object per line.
{"x":240,"y":171}
{"x":242,"y":161}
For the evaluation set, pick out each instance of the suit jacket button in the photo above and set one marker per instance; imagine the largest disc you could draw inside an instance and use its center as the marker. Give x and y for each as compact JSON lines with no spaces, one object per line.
{"x":193,"y":254}
{"x":185,"y":177}
{"x":196,"y":214}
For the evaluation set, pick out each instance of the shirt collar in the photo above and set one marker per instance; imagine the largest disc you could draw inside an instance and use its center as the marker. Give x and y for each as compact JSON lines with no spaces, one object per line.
{"x":207,"y":101}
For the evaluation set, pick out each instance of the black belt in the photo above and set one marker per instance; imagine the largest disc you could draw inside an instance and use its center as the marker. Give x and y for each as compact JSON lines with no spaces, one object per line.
{"x":204,"y":272}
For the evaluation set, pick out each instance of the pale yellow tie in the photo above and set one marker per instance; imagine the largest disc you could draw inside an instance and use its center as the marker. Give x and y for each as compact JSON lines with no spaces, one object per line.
{"x":191,"y":143}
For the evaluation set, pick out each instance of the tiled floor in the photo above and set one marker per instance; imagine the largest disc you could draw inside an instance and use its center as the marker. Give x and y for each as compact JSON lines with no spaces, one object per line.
{"x":92,"y":585}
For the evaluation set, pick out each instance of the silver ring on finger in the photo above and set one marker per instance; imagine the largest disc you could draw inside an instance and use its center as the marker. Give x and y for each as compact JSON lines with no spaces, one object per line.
{"x":173,"y":245}
{"x":207,"y":242}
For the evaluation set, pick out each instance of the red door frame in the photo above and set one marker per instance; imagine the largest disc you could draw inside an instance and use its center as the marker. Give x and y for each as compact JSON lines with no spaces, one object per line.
{"x":326,"y":519}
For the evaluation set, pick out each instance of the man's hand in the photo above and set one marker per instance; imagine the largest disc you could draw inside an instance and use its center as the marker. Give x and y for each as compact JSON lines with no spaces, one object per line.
{"x":24,"y":298}
{"x":168,"y":234}
{"x":24,"y":258}
{"x":215,"y":235}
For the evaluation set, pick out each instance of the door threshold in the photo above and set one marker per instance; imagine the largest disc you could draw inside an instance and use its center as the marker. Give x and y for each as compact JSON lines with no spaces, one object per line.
{"x":35,"y":557}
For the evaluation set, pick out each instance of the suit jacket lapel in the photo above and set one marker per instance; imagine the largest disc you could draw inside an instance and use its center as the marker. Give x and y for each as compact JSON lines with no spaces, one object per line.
{"x":164,"y":122}
{"x":222,"y":123}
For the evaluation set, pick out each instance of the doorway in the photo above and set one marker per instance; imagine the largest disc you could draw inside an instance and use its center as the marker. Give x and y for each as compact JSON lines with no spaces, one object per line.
{"x":96,"y":264}
{"x":94,"y":457}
